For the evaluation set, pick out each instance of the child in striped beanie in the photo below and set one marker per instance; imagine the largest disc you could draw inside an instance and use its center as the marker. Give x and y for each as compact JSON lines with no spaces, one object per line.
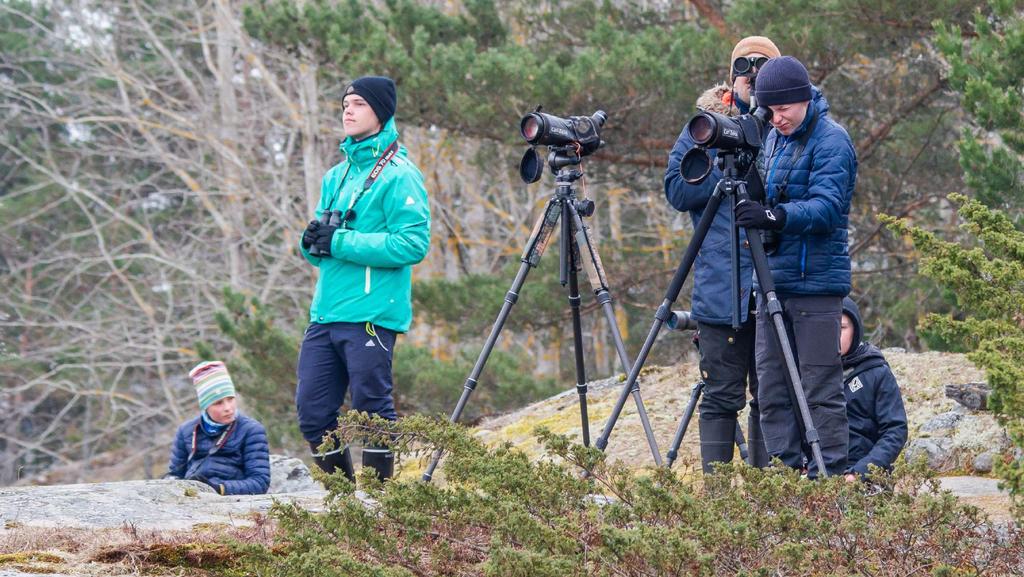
{"x":221,"y":447}
{"x":213,"y":387}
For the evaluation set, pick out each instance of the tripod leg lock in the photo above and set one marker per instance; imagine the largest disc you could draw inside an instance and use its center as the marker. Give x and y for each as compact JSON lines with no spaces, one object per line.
{"x":812,"y":436}
{"x":664,"y":312}
{"x":575,"y":301}
{"x":774,"y":306}
{"x":603,"y":297}
{"x":470,"y":384}
{"x":511,"y":297}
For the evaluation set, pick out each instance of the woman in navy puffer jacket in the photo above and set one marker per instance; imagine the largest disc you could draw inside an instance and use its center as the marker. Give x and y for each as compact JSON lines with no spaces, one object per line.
{"x":811,"y":171}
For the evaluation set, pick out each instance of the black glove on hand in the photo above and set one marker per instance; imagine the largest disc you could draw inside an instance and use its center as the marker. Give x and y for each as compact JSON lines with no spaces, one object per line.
{"x":309,"y":235}
{"x":324,"y":236}
{"x":752,"y":214}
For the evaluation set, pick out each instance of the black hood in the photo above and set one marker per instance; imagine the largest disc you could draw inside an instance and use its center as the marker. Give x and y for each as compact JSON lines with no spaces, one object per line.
{"x":850,"y":309}
{"x":862,"y":352}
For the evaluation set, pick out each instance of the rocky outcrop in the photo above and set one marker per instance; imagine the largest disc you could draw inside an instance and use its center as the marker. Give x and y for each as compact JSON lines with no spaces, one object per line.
{"x":959,"y":440}
{"x":155,"y":504}
{"x":965,"y":438}
{"x":151,"y":505}
{"x":952,"y":435}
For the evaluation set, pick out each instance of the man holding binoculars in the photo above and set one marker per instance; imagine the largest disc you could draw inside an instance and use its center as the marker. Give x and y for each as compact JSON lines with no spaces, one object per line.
{"x":726,"y":354}
{"x":372,"y":225}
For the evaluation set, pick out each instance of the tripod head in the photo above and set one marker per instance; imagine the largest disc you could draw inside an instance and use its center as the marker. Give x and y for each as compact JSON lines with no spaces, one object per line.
{"x":735,"y":162}
{"x":562,"y":160}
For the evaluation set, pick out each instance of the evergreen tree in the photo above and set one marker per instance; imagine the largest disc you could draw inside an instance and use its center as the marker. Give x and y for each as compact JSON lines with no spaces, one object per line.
{"x":987,"y":281}
{"x":987,"y":278}
{"x":987,"y":69}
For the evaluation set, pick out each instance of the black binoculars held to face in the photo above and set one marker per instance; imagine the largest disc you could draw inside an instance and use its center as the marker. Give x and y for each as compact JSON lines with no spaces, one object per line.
{"x":748,"y":66}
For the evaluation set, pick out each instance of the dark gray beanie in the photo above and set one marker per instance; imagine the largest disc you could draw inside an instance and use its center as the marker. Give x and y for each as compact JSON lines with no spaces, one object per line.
{"x":782,"y":80}
{"x":379,"y":93}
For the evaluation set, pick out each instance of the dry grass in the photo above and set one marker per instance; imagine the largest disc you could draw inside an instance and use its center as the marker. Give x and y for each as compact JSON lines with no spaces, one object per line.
{"x":127,"y":550}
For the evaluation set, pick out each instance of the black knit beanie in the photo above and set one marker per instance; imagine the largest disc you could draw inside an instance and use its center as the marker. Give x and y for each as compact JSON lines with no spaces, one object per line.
{"x":379,"y":93}
{"x":782,"y":80}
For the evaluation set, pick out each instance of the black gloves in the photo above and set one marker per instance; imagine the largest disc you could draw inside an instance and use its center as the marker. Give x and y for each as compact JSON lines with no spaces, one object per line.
{"x":324,"y":236}
{"x":309,"y":235}
{"x":750,"y":214}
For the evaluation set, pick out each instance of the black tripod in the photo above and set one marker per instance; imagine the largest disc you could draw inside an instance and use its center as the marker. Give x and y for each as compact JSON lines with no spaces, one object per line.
{"x":575,"y":251}
{"x":682,"y":321}
{"x":733,"y":187}
{"x":691,"y":407}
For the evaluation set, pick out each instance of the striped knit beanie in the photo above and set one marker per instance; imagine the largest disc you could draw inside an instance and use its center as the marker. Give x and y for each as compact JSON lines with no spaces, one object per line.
{"x":212,"y":383}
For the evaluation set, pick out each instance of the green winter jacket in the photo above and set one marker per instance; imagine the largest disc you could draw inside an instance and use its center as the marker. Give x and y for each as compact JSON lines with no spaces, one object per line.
{"x":368,"y":277}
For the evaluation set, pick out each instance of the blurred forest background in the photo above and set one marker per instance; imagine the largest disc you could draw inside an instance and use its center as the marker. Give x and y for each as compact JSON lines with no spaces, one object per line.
{"x":159,"y":160}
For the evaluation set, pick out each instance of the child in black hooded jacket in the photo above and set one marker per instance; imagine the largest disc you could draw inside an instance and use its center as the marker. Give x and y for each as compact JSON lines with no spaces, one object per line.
{"x":874,"y":406}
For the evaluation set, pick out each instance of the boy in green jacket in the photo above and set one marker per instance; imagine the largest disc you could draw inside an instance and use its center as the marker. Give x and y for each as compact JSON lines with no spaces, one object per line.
{"x":372,"y":225}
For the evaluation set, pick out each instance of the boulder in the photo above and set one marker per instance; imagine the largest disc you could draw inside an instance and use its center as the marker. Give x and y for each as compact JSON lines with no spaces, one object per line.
{"x":942,"y":422}
{"x":984,"y":462}
{"x":974,"y":396}
{"x":936,"y":451}
{"x":290,"y":475}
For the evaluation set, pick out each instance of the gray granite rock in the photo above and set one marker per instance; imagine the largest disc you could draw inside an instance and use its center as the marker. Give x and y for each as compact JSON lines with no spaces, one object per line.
{"x":984,"y":462}
{"x":936,"y":451}
{"x":974,"y":396}
{"x":966,"y":486}
{"x":942,"y":422}
{"x":290,"y":475}
{"x":155,"y":504}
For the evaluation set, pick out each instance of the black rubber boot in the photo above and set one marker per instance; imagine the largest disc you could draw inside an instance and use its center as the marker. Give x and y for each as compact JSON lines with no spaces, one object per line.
{"x":381,"y":460}
{"x":759,"y":456}
{"x":717,"y":441}
{"x":334,"y":460}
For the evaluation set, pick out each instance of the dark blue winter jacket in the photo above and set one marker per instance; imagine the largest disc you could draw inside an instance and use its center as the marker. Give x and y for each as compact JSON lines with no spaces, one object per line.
{"x":874,"y":406}
{"x":241,"y":465}
{"x":812,"y":257}
{"x":712,"y":287}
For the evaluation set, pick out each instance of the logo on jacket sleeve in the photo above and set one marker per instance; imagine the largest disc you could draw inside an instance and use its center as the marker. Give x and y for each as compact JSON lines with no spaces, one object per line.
{"x":409,"y":200}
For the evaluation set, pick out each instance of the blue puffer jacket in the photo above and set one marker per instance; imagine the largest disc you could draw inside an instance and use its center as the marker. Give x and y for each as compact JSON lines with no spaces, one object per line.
{"x":813,"y":256}
{"x":712,"y":287}
{"x":242,"y":465}
{"x":874,"y":406}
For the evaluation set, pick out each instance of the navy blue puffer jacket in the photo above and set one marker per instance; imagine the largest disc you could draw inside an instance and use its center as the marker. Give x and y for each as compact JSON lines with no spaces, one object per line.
{"x":242,"y":465}
{"x":813,"y":256}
